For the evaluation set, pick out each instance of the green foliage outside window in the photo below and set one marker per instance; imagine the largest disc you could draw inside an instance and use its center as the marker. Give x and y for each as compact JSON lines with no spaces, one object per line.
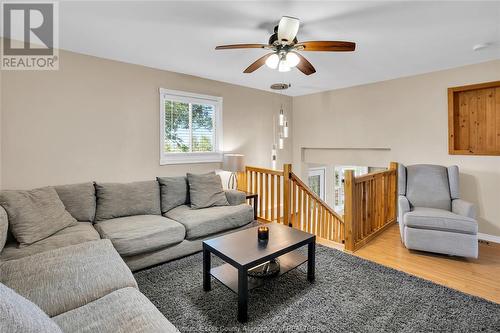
{"x":185,"y":135}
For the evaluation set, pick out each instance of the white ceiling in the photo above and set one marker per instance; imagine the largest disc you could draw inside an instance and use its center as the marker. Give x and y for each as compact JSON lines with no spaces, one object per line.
{"x":394,"y":39}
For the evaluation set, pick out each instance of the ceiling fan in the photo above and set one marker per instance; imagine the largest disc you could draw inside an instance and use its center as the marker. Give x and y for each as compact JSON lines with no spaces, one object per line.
{"x":285,"y":47}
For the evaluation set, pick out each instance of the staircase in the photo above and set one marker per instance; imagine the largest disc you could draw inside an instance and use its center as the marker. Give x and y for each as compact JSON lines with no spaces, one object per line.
{"x":370,"y":204}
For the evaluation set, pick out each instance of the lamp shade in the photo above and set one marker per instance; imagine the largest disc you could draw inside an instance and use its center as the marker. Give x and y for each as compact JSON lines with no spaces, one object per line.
{"x":234,"y":162}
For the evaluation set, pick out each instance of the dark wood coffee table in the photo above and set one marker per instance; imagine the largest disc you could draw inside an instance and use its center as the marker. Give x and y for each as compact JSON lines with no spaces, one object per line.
{"x":242,"y":251}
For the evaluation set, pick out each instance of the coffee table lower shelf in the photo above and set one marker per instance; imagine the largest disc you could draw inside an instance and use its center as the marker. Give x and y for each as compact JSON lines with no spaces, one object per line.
{"x":228,"y":275}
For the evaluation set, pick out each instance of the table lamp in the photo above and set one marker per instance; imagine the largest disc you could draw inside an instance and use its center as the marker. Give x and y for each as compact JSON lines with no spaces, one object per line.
{"x":233,"y":163}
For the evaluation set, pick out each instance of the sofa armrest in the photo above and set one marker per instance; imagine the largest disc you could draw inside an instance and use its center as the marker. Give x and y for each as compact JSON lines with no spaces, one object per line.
{"x":464,"y":208}
{"x":403,"y":208}
{"x":4,"y":227}
{"x":235,"y":197}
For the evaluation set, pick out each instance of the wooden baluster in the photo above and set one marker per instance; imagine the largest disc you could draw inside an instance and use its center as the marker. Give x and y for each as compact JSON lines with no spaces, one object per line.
{"x":266,"y":199}
{"x":261,"y":194}
{"x":308,"y":212}
{"x":279,"y":200}
{"x":287,"y":169}
{"x":273,"y":216}
{"x":299,"y":213}
{"x":314,"y":226}
{"x":293,"y":202}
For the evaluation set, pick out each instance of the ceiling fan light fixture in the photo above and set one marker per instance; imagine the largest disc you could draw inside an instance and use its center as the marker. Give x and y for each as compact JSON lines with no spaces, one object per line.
{"x":272,"y":61}
{"x":283,"y":67}
{"x":292,"y":59}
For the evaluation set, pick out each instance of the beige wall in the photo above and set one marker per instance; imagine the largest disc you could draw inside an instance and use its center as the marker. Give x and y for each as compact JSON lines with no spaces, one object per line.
{"x":98,"y":119}
{"x":407,"y":115}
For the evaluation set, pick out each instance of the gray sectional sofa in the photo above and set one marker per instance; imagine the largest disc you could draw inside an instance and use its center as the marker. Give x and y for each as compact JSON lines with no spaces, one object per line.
{"x":78,"y":277}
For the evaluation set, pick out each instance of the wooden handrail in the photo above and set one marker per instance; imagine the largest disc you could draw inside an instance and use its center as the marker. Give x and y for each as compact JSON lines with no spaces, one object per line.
{"x":314,"y":195}
{"x":310,"y":213}
{"x":263,"y":170}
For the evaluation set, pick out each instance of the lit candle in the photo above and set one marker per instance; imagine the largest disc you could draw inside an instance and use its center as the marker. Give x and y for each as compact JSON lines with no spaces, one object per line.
{"x":263,"y":233}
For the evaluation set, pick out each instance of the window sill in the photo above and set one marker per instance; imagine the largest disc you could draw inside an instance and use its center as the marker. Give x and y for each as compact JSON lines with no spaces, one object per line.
{"x":187,"y":158}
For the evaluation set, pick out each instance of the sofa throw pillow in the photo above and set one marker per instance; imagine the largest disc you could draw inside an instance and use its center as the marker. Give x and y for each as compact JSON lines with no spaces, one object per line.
{"x":17,"y":314}
{"x":205,"y":190}
{"x":174,"y":192}
{"x":35,"y":214}
{"x":127,"y":199}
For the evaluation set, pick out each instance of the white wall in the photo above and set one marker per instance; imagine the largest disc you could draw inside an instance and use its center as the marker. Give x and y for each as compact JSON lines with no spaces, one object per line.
{"x":97,"y":119}
{"x":407,"y":115}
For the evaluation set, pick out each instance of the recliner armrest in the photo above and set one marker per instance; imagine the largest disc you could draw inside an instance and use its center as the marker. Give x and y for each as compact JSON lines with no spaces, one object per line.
{"x":464,"y":208}
{"x":235,"y":197}
{"x":403,"y":207}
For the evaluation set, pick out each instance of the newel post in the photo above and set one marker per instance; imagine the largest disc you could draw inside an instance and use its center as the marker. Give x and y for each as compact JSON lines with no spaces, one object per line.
{"x":350,"y":228}
{"x":287,"y":170}
{"x":242,"y":180}
{"x":393,"y":166}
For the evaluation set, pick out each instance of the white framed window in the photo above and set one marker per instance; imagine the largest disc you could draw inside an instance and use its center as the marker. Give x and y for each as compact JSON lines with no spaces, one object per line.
{"x":190,"y":127}
{"x":316,"y":180}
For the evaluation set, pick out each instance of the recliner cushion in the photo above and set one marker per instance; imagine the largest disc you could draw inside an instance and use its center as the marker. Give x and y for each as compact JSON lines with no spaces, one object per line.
{"x":124,"y":310}
{"x":211,"y":220}
{"x":126,"y":199}
{"x":138,"y":234}
{"x":439,"y":219}
{"x":79,"y":233}
{"x":428,"y":186}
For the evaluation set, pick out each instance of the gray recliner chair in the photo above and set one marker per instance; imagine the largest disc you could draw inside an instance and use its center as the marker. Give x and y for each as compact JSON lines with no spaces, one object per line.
{"x":431,"y":215}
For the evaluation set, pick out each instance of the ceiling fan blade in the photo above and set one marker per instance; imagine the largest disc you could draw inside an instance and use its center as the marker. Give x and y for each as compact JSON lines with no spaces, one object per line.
{"x":242,"y":46}
{"x":329,"y":46}
{"x":288,"y":28}
{"x":304,"y":65}
{"x":257,"y":63}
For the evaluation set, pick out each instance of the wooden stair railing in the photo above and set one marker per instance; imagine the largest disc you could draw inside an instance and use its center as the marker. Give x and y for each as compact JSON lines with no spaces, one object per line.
{"x":268,"y":184}
{"x":311,"y":214}
{"x":370,"y":204}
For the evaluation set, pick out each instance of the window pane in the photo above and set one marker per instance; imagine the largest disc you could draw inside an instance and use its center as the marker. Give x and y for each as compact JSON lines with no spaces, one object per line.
{"x":176,"y":127}
{"x":314,"y":184}
{"x":203,"y":129}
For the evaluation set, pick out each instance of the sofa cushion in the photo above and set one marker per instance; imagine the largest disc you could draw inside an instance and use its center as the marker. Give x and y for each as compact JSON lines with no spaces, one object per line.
{"x":141,"y":233}
{"x":174,"y":192}
{"x":428,"y":186}
{"x":63,"y":279}
{"x":79,"y":233}
{"x":126,"y":199}
{"x":18,"y":315}
{"x":207,"y":221}
{"x":124,"y":310}
{"x":439,"y":219}
{"x":35,"y":214}
{"x":79,"y":200}
{"x":206,"y":190}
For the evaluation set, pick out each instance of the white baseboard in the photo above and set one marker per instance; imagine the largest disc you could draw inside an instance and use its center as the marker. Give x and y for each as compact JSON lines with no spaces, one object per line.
{"x":488,"y":238}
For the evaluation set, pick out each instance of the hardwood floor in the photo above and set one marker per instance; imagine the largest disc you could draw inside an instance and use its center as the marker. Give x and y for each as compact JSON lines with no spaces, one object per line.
{"x":480,"y":277}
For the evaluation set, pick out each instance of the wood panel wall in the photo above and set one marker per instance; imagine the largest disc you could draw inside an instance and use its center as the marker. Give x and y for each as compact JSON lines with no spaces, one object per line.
{"x":474,"y":119}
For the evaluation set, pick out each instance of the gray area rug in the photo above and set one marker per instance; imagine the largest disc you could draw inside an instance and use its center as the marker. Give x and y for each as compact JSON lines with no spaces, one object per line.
{"x":349,"y":295}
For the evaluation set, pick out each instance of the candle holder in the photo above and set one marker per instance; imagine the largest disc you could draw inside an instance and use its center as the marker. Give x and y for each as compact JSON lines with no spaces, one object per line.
{"x":263,"y":233}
